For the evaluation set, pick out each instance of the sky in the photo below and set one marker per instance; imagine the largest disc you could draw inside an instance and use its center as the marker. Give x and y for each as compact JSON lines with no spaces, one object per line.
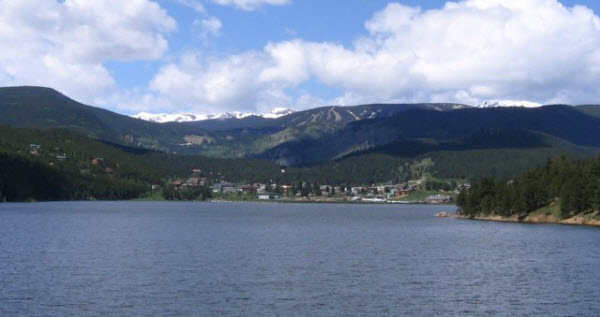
{"x":212,"y":56}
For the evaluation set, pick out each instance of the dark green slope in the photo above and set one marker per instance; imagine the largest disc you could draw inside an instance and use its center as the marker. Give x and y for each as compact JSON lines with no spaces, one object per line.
{"x":484,"y":139}
{"x":564,"y":122}
{"x":22,"y":179}
{"x":126,"y":173}
{"x":63,"y":167}
{"x":559,"y":190}
{"x":127,"y":162}
{"x":592,"y":110}
{"x":416,"y":132}
{"x":38,"y":107}
{"x":43,"y":176}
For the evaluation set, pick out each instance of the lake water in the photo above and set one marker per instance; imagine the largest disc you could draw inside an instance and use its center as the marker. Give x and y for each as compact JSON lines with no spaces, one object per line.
{"x":262,"y":259}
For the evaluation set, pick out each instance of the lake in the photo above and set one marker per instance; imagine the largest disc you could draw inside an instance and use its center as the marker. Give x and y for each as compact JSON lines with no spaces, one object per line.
{"x":267,"y":259}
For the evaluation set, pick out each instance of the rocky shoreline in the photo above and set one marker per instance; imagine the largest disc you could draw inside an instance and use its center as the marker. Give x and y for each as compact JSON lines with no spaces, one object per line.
{"x":545,"y":219}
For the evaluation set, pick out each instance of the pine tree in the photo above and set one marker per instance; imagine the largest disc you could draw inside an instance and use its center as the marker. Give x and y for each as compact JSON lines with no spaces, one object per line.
{"x":566,"y":199}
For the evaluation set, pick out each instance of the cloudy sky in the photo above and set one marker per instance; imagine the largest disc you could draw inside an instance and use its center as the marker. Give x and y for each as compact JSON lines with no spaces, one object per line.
{"x":210,"y":56}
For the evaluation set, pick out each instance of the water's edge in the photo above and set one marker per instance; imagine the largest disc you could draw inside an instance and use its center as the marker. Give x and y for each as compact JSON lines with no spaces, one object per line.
{"x":538,"y":219}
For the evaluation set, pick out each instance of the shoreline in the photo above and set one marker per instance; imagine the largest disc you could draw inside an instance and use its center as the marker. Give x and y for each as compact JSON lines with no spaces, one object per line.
{"x":309,"y":201}
{"x":537,"y":219}
{"x":273,"y":201}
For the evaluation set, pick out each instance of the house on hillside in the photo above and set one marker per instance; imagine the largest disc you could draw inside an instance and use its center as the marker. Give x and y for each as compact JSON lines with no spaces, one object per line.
{"x":260,"y":188}
{"x":247,"y":189}
{"x":267,"y":196}
{"x":222,"y":187}
{"x":285,"y":190}
{"x":177,"y":183}
{"x":35,"y":149}
{"x":325,"y":188}
{"x":439,"y":199}
{"x":231,"y":189}
{"x":465,"y":186}
{"x":372,"y":190}
{"x":403,"y":192}
{"x":195,"y":181}
{"x":357,"y":190}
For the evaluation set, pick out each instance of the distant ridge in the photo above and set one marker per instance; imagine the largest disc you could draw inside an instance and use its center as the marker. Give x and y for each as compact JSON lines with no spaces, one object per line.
{"x":191,"y":117}
{"x":508,"y":103}
{"x":281,"y":112}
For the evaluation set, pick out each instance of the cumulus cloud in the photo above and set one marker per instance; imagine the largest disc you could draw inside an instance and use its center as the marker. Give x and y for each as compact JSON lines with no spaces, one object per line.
{"x":65,"y":44}
{"x":208,"y":27}
{"x":217,"y":84}
{"x":193,"y":4}
{"x":478,"y":49}
{"x":250,"y":5}
{"x":467,"y":51}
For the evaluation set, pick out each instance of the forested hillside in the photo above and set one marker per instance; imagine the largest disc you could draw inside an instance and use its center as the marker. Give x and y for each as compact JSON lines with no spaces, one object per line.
{"x":58,"y":164}
{"x":95,"y":153}
{"x":416,"y":132}
{"x":572,"y":187}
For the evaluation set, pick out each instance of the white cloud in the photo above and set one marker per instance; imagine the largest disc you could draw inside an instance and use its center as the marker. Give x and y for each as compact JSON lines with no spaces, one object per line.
{"x":64,"y":44}
{"x":467,"y":51}
{"x":193,"y":4}
{"x":202,"y":86}
{"x":250,"y":4}
{"x":209,"y":27}
{"x":475,"y":49}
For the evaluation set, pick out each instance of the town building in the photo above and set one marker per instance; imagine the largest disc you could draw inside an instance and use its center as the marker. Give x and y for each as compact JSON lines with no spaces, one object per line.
{"x":267,"y":196}
{"x":438,"y":199}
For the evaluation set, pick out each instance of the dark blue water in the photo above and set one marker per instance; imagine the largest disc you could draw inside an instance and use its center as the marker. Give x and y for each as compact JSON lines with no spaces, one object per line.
{"x":250,"y":259}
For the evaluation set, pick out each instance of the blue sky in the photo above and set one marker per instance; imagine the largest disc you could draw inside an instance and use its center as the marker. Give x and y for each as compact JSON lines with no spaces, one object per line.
{"x":248,"y":30}
{"x":210,"y":56}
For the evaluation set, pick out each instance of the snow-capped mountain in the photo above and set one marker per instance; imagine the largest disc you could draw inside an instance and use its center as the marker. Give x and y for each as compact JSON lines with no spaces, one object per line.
{"x":277,"y":112}
{"x":189,"y":117}
{"x":508,"y":103}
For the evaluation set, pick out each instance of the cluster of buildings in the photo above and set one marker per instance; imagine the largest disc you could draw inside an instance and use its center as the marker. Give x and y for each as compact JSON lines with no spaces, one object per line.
{"x":262,"y":191}
{"x":57,"y":153}
{"x":439,"y":199}
{"x":193,"y":180}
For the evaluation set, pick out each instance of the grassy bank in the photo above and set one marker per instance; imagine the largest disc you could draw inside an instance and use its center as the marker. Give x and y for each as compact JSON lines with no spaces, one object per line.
{"x":421,"y":195}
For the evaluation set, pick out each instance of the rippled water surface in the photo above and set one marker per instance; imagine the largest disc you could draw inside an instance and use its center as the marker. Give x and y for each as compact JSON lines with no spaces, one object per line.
{"x":251,"y":259}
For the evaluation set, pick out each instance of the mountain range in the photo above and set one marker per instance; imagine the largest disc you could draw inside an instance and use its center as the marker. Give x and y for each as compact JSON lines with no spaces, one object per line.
{"x":324,"y":134}
{"x":280,"y":112}
{"x":189,"y":117}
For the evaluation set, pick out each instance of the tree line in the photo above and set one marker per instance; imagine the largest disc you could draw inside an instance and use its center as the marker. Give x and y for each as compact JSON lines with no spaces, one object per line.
{"x":573,"y":184}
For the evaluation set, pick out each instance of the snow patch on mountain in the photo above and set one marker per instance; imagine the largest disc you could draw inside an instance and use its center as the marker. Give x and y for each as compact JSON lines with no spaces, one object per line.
{"x":190,"y":117}
{"x":508,"y":103}
{"x":277,"y":112}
